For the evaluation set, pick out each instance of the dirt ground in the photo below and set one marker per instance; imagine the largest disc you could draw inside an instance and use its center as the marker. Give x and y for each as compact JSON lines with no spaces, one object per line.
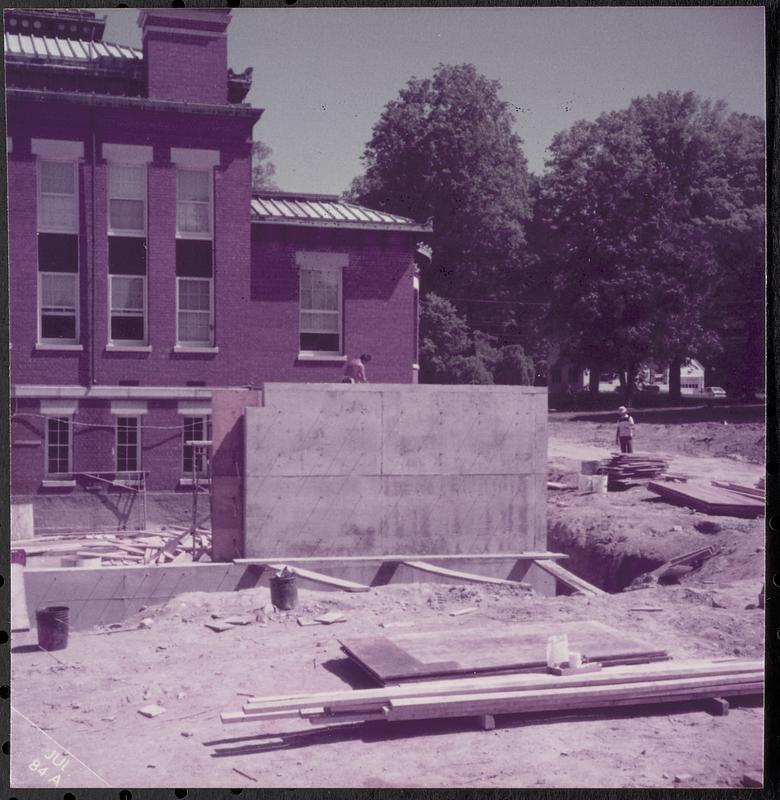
{"x":84,"y":700}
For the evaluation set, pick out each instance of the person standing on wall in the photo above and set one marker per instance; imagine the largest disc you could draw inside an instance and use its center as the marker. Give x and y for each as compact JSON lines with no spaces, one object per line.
{"x":624,"y":435}
{"x":355,"y":369}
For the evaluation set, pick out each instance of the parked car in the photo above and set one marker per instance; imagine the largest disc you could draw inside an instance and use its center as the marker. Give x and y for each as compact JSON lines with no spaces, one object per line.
{"x":713,"y":392}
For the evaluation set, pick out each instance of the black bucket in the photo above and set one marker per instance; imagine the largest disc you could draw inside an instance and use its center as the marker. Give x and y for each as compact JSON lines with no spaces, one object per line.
{"x":53,"y":627}
{"x":284,"y":592}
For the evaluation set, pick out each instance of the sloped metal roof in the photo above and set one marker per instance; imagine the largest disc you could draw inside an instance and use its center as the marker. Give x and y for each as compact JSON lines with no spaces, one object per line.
{"x":50,"y":48}
{"x":284,"y":208}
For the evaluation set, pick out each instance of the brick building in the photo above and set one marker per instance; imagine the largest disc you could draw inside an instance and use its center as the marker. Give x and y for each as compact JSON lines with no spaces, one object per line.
{"x":142,"y":271}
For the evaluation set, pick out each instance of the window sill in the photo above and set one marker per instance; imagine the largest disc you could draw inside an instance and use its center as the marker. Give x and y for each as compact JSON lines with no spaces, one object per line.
{"x":202,"y":237}
{"x":52,"y":483}
{"x":52,"y":346}
{"x":128,"y":348}
{"x":180,"y":348}
{"x":188,"y":483}
{"x":322,"y":357}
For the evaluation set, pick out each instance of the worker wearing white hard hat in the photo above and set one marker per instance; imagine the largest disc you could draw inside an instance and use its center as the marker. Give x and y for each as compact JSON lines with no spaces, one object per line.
{"x":624,"y":434}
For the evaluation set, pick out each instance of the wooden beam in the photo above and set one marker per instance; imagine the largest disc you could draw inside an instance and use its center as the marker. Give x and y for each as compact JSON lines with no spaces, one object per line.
{"x":318,"y":577}
{"x":424,"y":566}
{"x":351,"y":699}
{"x":569,"y":578}
{"x":528,"y":556}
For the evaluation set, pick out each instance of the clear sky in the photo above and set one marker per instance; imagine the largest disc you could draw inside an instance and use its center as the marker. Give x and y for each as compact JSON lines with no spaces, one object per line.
{"x":324,"y":75}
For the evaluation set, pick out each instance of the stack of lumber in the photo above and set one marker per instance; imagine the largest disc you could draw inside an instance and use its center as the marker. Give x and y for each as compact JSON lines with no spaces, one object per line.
{"x":489,"y":648}
{"x":628,"y":467}
{"x":714,"y":500}
{"x":118,"y":547}
{"x":669,"y":682}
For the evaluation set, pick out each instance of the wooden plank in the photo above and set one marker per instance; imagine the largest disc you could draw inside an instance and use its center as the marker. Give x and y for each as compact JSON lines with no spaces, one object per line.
{"x":708,"y":499}
{"x":20,"y":621}
{"x":579,"y":697}
{"x":353,"y":699}
{"x":569,"y":578}
{"x":527,"y":556}
{"x":488,"y":647}
{"x":318,"y":577}
{"x":469,"y":577}
{"x":750,"y":491}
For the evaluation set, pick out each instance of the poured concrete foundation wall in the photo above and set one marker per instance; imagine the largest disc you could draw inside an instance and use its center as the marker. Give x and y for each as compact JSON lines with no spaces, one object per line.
{"x":377,"y":469}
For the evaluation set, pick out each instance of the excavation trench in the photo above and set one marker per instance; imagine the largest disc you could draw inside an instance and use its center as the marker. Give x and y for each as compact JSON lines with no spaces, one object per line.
{"x":603,"y":563}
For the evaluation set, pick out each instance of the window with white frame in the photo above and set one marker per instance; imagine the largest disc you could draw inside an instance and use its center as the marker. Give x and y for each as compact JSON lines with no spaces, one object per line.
{"x":320,"y":320}
{"x":58,"y":304}
{"x":128,"y":309}
{"x":128,"y":444}
{"x":195,"y":429}
{"x":193,"y":203}
{"x":59,"y":444}
{"x":127,"y":200}
{"x":194,"y":312}
{"x":57,"y":197}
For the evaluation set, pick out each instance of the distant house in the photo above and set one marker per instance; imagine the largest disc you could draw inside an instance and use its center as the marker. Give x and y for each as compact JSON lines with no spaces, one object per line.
{"x":143,"y":272}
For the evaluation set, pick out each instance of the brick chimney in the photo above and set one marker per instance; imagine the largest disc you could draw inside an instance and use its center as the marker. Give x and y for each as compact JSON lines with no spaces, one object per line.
{"x":185,"y":54}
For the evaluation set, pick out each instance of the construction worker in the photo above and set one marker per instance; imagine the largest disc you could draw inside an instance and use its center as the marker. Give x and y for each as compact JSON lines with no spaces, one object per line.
{"x":355,"y":369}
{"x":624,"y":434}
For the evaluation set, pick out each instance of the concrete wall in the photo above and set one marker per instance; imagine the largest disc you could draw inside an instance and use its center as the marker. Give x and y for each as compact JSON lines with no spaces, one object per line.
{"x":381,"y":469}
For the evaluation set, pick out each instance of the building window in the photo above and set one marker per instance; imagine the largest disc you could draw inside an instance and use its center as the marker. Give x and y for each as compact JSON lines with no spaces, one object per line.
{"x":193,"y":203}
{"x":127,"y":200}
{"x":194,"y":318}
{"x":320,"y":311}
{"x":58,"y":303}
{"x":58,"y":446}
{"x":128,"y":444}
{"x":128,"y":309}
{"x":57,"y":197}
{"x":195,"y":429}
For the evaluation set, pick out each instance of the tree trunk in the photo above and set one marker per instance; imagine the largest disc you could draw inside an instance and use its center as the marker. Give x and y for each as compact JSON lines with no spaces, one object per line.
{"x":675,"y":390}
{"x":593,"y":381}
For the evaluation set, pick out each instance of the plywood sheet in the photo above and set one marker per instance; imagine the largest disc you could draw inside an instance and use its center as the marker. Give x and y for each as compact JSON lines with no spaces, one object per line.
{"x":417,"y":655}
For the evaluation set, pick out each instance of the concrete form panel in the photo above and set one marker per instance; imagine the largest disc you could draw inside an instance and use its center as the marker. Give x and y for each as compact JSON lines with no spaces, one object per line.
{"x":334,"y":470}
{"x":324,"y":433}
{"x":456,"y":433}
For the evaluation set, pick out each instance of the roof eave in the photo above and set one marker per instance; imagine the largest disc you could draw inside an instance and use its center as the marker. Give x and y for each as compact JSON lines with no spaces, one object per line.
{"x":364,"y":226}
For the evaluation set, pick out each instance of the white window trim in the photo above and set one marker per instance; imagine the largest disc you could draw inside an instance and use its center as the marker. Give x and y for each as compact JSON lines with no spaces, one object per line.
{"x":201,"y":236}
{"x":128,"y":232}
{"x":128,"y":154}
{"x":57,"y":149}
{"x":327,"y":355}
{"x":53,"y":228}
{"x":125,"y":344}
{"x":69,"y":418}
{"x":187,"y":476}
{"x":138,"y":419}
{"x":184,"y":347}
{"x":59,"y":344}
{"x":129,"y":408}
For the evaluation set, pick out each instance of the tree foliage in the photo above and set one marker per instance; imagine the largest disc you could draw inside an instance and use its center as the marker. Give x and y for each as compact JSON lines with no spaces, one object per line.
{"x":450,"y":352}
{"x":643,"y":220}
{"x":446,"y":150}
{"x":263,"y":169}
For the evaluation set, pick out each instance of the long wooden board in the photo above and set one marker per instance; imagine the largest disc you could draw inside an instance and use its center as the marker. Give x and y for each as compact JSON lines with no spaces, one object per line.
{"x":467,"y":577}
{"x":569,"y":578}
{"x":719,"y":502}
{"x":318,"y":577}
{"x":496,"y":648}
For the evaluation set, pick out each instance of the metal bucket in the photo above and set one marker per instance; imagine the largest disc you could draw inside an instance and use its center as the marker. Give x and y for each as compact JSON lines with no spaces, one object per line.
{"x":53,"y":623}
{"x":284,"y":592}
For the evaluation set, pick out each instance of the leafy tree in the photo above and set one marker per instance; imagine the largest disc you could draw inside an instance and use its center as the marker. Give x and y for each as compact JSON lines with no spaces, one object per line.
{"x":451,"y":353}
{"x":446,"y":150}
{"x":263,"y":170}
{"x":632,"y":226}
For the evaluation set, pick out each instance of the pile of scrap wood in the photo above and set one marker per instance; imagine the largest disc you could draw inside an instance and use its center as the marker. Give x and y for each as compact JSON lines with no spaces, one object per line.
{"x":675,"y":567}
{"x":642,"y":684}
{"x":718,"y":499}
{"x":121,"y":547}
{"x":624,"y":467}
